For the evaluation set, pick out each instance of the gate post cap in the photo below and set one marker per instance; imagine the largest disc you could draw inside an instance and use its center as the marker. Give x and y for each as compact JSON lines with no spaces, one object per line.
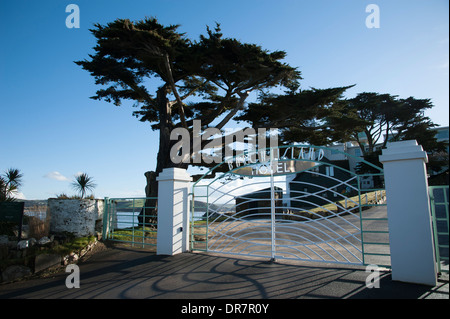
{"x":174,"y":173}
{"x":403,"y":150}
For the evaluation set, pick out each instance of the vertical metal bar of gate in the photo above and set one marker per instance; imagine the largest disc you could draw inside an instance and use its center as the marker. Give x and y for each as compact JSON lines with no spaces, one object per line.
{"x":207,"y":217}
{"x":105,"y":218}
{"x":272,"y":207}
{"x":358,"y":180}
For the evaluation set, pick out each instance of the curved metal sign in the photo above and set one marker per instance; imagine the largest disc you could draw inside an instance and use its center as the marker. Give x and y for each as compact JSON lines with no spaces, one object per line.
{"x":293,"y":159}
{"x":275,"y":168}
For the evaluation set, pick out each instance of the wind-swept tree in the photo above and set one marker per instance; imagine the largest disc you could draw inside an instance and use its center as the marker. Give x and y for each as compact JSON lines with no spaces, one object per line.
{"x":315,"y":116}
{"x":221,"y":71}
{"x":389,"y":119}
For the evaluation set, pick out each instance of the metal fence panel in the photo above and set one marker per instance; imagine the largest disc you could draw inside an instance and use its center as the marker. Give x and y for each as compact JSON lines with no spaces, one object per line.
{"x":439,"y":198}
{"x":131,"y":220}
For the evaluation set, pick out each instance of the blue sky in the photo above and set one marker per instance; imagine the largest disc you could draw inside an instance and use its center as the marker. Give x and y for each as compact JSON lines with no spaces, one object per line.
{"x":51,"y":130}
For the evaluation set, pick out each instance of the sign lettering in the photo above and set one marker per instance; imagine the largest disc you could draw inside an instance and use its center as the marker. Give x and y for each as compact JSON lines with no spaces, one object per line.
{"x":285,"y":161}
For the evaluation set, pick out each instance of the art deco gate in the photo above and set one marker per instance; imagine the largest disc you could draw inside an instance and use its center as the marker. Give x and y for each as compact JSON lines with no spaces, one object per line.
{"x":291,"y":203}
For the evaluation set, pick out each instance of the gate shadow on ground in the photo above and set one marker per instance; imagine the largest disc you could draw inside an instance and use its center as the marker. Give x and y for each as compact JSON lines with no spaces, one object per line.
{"x":139,"y":274}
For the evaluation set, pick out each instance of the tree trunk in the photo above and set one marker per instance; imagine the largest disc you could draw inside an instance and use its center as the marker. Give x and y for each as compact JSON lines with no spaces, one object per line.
{"x":151,"y":204}
{"x":163,"y":158}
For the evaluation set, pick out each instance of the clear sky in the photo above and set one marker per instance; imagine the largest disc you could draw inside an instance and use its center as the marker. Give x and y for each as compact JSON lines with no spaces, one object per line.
{"x":50,"y":130}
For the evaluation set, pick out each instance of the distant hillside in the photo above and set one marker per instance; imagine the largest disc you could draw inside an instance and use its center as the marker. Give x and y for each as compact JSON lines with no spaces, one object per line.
{"x":201,"y":206}
{"x":127,"y":205}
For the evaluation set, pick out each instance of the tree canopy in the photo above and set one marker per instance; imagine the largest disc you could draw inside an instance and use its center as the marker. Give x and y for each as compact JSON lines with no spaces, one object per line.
{"x":173,"y":80}
{"x":220,"y":71}
{"x":389,"y":119}
{"x":314,"y":116}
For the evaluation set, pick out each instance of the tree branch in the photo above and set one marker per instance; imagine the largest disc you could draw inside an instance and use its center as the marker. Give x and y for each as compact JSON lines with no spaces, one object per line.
{"x":174,"y":90}
{"x":238,"y":107}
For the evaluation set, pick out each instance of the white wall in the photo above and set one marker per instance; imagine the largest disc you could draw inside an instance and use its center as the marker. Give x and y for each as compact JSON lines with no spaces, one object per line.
{"x":81,"y":217}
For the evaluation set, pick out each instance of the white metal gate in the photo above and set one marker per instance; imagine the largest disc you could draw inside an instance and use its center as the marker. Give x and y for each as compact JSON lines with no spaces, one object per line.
{"x":300,"y":207}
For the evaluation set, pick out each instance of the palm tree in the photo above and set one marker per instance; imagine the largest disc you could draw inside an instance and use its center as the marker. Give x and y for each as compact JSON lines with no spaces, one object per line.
{"x":10,"y":182}
{"x":83,"y":183}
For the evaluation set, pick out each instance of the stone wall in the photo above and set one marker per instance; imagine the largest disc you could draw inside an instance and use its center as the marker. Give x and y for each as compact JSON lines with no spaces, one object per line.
{"x":31,"y":256}
{"x":80,"y":217}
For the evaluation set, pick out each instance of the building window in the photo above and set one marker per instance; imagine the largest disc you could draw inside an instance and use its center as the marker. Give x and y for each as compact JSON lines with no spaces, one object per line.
{"x":315,"y":171}
{"x":329,"y":170}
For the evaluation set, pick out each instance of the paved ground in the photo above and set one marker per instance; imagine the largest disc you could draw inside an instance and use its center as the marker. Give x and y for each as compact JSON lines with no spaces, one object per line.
{"x":121,"y":273}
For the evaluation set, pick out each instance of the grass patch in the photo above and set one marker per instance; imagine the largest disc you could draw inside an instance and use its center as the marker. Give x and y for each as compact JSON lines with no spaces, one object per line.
{"x":73,"y":245}
{"x":369,"y":198}
{"x":145,"y":235}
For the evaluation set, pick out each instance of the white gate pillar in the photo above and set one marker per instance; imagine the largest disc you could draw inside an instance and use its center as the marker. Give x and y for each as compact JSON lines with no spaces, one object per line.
{"x":173,"y":211}
{"x":409,"y":218}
